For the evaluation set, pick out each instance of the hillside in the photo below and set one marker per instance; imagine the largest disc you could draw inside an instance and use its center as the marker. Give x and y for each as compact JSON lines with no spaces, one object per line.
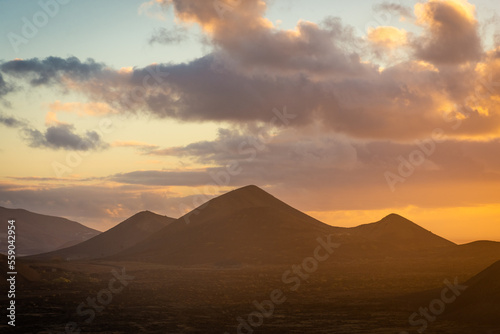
{"x":246,"y":225}
{"x":36,"y":233}
{"x":122,"y":236}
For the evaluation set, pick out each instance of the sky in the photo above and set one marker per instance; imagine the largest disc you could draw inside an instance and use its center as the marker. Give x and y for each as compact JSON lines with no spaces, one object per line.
{"x":346,"y":110}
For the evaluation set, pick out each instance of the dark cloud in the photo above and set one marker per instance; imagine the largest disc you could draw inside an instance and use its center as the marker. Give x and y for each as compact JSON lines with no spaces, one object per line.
{"x":62,"y":136}
{"x":5,"y":88}
{"x":403,"y":101}
{"x":50,"y":69}
{"x":394,"y":8}
{"x":166,"y":36}
{"x":59,"y":136}
{"x":11,"y":122}
{"x":163,"y":178}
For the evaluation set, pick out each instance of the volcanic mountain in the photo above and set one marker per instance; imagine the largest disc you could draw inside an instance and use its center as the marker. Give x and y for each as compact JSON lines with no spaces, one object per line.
{"x":36,"y":233}
{"x":482,"y":253}
{"x":400,"y":234}
{"x":250,"y":226}
{"x":480,"y":302}
{"x":122,"y":236}
{"x":246,"y":225}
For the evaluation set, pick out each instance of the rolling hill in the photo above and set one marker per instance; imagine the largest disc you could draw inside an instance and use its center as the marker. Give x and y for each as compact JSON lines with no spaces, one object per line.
{"x":122,"y":236}
{"x":36,"y":233}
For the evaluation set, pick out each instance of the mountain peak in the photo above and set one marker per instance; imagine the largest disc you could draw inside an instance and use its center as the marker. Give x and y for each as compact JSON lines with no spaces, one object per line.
{"x":395,"y":218}
{"x":248,"y":190}
{"x":241,"y":198}
{"x":143,"y":213}
{"x":395,"y":229}
{"x":126,"y":234}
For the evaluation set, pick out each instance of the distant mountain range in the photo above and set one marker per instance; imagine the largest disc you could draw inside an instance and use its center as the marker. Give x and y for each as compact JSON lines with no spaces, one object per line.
{"x":36,"y":233}
{"x":249,"y":226}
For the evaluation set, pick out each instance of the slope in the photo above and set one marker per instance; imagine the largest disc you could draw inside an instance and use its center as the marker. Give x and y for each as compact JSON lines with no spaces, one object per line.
{"x":36,"y":233}
{"x":122,"y":236}
{"x":246,"y":225}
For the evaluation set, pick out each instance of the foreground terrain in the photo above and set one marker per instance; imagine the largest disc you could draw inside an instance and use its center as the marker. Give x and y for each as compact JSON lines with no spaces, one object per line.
{"x":336,"y":298}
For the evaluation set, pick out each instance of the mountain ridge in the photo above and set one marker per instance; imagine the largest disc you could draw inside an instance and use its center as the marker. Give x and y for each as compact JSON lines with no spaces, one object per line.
{"x":216,"y":232}
{"x":125,"y":234}
{"x":38,"y":233}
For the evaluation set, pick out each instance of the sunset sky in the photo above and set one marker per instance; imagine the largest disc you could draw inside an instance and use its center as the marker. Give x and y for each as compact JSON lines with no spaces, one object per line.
{"x":347,"y":110}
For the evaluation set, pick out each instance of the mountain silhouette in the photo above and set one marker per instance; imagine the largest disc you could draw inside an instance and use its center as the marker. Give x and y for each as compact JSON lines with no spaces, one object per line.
{"x":480,"y":302}
{"x":250,"y":226}
{"x":398,"y":233}
{"x":36,"y":233}
{"x":122,"y":236}
{"x":246,"y":225}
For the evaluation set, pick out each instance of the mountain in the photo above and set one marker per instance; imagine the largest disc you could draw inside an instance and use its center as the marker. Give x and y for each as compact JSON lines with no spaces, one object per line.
{"x":480,"y":302}
{"x":481,"y":253}
{"x":482,"y":248}
{"x":36,"y":233}
{"x":250,"y":226}
{"x":122,"y":236}
{"x":400,"y":234}
{"x":246,"y":225}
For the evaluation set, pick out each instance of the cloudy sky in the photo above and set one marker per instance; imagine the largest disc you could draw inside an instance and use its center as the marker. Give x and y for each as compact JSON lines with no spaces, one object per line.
{"x":347,"y":110}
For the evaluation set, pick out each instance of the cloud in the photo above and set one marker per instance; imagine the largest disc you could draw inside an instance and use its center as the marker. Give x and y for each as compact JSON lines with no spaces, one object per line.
{"x":403,"y":11}
{"x":62,"y":136}
{"x":404,"y":101}
{"x":340,"y":173}
{"x":143,"y":147}
{"x":254,"y":43}
{"x":82,"y":109}
{"x":11,"y":122}
{"x":164,"y":178}
{"x":317,"y":70}
{"x":452,"y":35}
{"x":152,"y":9}
{"x":388,"y":37}
{"x":166,"y":36}
{"x":58,"y":135}
{"x":5,"y":88}
{"x":50,"y":69}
